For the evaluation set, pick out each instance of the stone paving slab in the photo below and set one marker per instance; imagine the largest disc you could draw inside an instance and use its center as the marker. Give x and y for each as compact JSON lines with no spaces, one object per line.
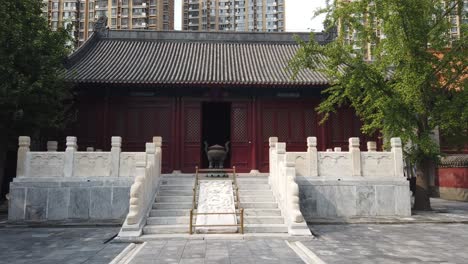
{"x":58,"y":245}
{"x":443,"y":212}
{"x":415,"y":243}
{"x":216,"y":251}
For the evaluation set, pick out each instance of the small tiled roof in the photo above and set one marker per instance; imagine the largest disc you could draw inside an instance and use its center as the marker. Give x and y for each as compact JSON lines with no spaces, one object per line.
{"x":152,"y":57}
{"x":454,"y":161}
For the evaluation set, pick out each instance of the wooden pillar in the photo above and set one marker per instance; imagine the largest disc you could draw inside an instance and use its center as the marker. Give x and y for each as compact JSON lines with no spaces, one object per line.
{"x":254,"y":124}
{"x":105,"y":122}
{"x":177,"y":135}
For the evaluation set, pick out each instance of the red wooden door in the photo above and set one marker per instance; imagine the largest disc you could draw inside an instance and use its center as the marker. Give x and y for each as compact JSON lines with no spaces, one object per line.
{"x":345,"y":124}
{"x":291,"y":121}
{"x":241,"y":136}
{"x":138,"y":120}
{"x":191,"y":136}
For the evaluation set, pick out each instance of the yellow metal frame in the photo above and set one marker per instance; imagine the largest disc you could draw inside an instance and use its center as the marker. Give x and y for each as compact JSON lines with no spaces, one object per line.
{"x":239,"y":211}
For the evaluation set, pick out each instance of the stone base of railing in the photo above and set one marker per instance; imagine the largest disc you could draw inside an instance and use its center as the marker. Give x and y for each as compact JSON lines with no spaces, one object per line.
{"x":323,"y":197}
{"x":74,"y":199}
{"x":299,"y":229}
{"x":129,"y":232}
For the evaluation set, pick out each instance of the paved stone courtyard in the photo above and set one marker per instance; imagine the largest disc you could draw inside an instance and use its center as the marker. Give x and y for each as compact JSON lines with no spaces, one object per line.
{"x":58,"y":245}
{"x":217,"y":252}
{"x":338,"y":243}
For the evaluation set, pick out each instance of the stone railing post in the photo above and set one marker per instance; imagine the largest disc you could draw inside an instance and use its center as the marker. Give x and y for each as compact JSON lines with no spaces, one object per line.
{"x":136,"y":193}
{"x":150,"y":150}
{"x":69,"y":156}
{"x":158,"y":153}
{"x":398,"y":156}
{"x":24,"y":143}
{"x":280,"y":180}
{"x":355,"y":156}
{"x":312,"y":156}
{"x":52,"y":146}
{"x":292,"y":191}
{"x":272,"y":159}
{"x":116,"y":148}
{"x":371,"y":146}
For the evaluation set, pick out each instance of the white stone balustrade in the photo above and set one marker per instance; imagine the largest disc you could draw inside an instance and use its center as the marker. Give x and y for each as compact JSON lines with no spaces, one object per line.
{"x":283,"y":182}
{"x":143,"y":190}
{"x":353,"y":163}
{"x":72,"y":163}
{"x":336,"y":183}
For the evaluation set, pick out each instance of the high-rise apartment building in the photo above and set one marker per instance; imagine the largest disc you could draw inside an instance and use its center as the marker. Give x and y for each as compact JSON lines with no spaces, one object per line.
{"x":121,"y":14}
{"x":234,"y":15}
{"x":457,"y":17}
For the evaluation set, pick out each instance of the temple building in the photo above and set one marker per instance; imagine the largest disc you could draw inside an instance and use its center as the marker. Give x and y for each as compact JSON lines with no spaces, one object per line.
{"x":149,"y":105}
{"x":191,"y":87}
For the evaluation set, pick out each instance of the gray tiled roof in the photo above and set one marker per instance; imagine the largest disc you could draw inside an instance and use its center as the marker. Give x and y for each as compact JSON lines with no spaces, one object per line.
{"x":151,"y":57}
{"x":454,"y":161}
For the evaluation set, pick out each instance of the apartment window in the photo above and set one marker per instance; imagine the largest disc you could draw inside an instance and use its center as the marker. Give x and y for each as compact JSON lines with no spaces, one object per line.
{"x":114,"y":21}
{"x":124,"y":21}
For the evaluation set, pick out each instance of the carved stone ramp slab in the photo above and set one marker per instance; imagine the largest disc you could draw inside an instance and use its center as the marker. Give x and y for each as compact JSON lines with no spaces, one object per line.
{"x":216,"y":196}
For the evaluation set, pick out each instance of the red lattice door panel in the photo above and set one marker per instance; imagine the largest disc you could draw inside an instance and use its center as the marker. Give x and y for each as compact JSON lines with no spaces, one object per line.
{"x":343,"y":125}
{"x":89,"y":126}
{"x":241,"y":138}
{"x":291,"y":121}
{"x":138,"y":120}
{"x":191,"y":136}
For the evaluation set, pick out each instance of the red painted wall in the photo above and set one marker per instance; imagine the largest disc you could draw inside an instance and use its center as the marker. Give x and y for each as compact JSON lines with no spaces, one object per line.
{"x":452,"y":177}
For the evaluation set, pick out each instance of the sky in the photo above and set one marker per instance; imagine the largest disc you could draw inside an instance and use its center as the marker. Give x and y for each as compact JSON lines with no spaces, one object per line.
{"x":299,"y":15}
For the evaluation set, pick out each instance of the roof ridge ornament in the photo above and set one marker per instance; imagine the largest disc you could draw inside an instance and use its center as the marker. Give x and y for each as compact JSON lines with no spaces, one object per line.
{"x":100,"y":26}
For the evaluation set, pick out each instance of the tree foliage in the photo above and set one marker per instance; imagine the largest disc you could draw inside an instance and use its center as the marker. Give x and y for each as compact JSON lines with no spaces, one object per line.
{"x":32,"y":94}
{"x":415,"y":80}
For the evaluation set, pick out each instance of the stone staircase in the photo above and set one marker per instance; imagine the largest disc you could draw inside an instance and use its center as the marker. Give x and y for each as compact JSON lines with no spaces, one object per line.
{"x":170,"y":212}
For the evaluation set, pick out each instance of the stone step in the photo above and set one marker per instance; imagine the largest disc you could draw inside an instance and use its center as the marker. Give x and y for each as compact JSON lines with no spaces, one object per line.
{"x":177,"y":182}
{"x":254,"y":186}
{"x":265,"y":228}
{"x":255,"y":193}
{"x":168,"y":220}
{"x":252,"y":180}
{"x":265,"y":198}
{"x":264,"y":205}
{"x":166,"y":229}
{"x":181,"y":205}
{"x":169,"y":212}
{"x":172,"y":198}
{"x":176,"y":188}
{"x":262,"y":212}
{"x":263,"y":220}
{"x":175,"y":192}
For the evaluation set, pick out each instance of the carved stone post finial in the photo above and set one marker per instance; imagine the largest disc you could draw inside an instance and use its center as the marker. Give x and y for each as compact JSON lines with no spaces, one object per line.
{"x":24,"y":143}
{"x":157,"y":141}
{"x":371,"y":146}
{"x":355,"y":153}
{"x":312,"y":162}
{"x":52,"y":146}
{"x":116,"y":149}
{"x":398,"y":156}
{"x":69,"y":156}
{"x":337,"y":149}
{"x":272,"y":141}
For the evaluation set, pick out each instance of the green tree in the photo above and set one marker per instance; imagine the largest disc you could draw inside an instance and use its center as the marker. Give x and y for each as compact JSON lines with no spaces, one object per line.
{"x":405,"y":83}
{"x":33,"y":96}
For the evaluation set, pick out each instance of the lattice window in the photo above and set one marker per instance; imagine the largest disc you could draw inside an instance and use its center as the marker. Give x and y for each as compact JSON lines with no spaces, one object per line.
{"x":268,"y":125}
{"x":164,"y":124}
{"x":133,"y":124}
{"x":239,"y":125}
{"x":310,"y":123}
{"x":283,"y":125}
{"x":296,"y":125}
{"x":192,"y":125}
